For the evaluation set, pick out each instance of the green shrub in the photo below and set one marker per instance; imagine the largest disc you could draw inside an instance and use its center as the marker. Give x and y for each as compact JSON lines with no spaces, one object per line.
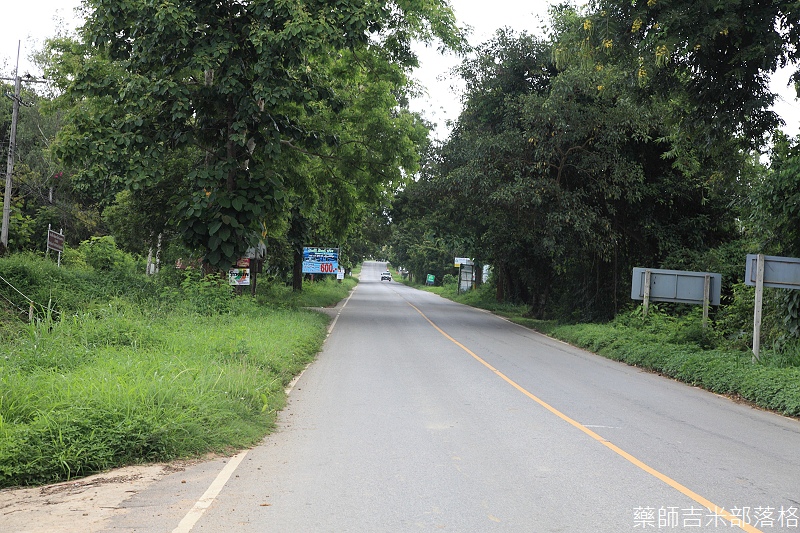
{"x":322,"y":293}
{"x":666,"y":346}
{"x":101,"y":253}
{"x":73,"y":258}
{"x":734,"y":321}
{"x":121,"y":375}
{"x":206,"y":295}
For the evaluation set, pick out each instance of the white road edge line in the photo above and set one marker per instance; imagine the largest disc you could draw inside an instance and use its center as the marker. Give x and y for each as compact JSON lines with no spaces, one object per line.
{"x":294,"y":381}
{"x":210,"y":495}
{"x":333,"y":324}
{"x":205,"y":501}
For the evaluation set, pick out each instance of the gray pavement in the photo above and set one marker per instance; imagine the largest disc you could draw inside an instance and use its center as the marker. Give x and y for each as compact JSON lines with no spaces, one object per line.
{"x":396,"y":427}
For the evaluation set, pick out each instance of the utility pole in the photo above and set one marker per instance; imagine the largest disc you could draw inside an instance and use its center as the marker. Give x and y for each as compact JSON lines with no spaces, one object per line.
{"x":12,"y":144}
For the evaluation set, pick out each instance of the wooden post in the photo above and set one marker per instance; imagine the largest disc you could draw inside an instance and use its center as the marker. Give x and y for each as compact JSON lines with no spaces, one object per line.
{"x":758,"y":305}
{"x":148,"y":269}
{"x":706,"y":298}
{"x":158,"y":253}
{"x":646,"y":303}
{"x":253,"y":276}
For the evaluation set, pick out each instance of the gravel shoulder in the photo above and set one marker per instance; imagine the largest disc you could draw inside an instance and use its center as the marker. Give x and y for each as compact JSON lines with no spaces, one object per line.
{"x":84,"y":505}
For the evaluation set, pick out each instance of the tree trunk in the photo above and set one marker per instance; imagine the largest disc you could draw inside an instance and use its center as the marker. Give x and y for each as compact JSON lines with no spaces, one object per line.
{"x":501,"y":281}
{"x":298,"y":231}
{"x":158,"y":254}
{"x":297,"y":270}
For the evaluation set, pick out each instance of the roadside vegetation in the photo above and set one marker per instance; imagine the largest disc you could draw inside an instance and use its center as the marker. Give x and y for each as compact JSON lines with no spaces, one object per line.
{"x":119,"y":368}
{"x":671,"y":341}
{"x":614,"y":139}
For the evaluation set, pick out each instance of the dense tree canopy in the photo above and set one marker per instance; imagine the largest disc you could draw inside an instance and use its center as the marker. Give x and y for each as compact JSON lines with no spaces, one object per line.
{"x":562,"y":170}
{"x":626,"y":136}
{"x":42,"y":190}
{"x":716,"y":56}
{"x":243,"y":87}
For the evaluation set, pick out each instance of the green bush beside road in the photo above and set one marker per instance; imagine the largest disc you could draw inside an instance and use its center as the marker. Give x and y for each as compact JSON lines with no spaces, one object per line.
{"x":118,"y":369}
{"x":729,"y":372}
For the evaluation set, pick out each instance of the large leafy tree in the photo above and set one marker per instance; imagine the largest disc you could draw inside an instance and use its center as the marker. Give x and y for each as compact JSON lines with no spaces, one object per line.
{"x":333,"y":187}
{"x":554,"y":160}
{"x":428,"y":228}
{"x":246,"y":84}
{"x":711,"y":57}
{"x":563,"y":176}
{"x":774,"y":207}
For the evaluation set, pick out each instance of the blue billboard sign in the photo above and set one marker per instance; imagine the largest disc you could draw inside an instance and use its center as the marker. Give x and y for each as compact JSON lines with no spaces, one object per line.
{"x":320,"y":260}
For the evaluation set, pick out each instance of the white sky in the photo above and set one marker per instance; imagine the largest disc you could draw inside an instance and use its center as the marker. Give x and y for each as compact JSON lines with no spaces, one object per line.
{"x":31,"y":21}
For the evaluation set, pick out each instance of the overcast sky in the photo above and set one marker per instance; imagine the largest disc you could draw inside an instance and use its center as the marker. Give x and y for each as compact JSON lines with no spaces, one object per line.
{"x":31,"y":21}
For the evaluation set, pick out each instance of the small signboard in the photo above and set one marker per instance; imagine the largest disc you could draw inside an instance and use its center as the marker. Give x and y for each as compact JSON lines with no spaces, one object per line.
{"x":320,"y":260}
{"x":768,"y":271}
{"x":340,"y":274}
{"x":431,"y":279}
{"x":55,"y":241}
{"x":239,"y":276}
{"x":677,"y":286}
{"x":459,"y":261}
{"x":779,"y":272}
{"x":466,"y":278}
{"x":243,"y":262}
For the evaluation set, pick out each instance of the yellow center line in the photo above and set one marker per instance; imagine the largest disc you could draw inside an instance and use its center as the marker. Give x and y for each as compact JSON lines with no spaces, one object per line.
{"x":717,"y":510}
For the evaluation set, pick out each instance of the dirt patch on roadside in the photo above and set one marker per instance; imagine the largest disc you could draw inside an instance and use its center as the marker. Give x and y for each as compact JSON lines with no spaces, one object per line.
{"x":80,"y":506}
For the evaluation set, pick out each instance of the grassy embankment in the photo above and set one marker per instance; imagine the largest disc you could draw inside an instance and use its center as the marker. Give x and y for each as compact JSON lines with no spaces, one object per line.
{"x":119,"y":369}
{"x":677,"y":347}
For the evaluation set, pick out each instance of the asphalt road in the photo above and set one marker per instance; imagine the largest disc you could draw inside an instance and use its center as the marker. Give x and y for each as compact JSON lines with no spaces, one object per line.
{"x":425,"y":415}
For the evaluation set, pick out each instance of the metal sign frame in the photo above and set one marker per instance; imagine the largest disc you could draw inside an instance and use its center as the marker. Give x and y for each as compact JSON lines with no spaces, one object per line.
{"x":466,"y":278}
{"x":768,"y":271}
{"x":55,"y":242}
{"x":677,"y":286}
{"x":779,"y":272}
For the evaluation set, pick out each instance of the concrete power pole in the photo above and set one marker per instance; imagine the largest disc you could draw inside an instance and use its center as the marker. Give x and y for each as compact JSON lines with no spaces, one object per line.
{"x":10,"y":164}
{"x":12,"y":145}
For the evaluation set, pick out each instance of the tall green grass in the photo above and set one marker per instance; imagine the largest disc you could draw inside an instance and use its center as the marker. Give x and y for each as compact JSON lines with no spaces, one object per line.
{"x":171,"y":370}
{"x":319,"y":293}
{"x":84,"y":394}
